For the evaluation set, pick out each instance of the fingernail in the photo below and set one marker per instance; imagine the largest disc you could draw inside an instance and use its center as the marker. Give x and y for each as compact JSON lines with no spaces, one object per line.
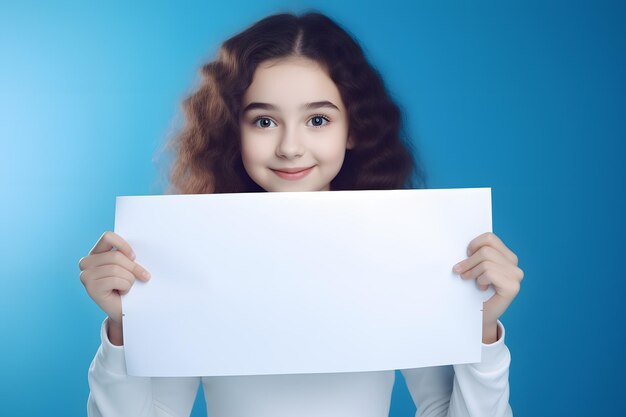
{"x":457,"y":268}
{"x":146,"y":274}
{"x":132,"y":255}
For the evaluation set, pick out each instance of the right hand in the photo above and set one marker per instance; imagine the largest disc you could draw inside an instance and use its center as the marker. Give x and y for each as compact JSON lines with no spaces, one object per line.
{"x":107,"y":274}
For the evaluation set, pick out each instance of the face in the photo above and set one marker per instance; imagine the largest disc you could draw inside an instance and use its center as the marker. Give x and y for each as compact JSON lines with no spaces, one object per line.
{"x":294,"y":127}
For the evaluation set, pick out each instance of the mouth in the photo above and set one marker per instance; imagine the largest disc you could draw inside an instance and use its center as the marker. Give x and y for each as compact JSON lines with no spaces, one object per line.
{"x":293,"y":173}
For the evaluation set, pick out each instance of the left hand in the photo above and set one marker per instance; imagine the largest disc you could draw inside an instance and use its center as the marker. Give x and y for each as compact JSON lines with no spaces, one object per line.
{"x":491,"y":262}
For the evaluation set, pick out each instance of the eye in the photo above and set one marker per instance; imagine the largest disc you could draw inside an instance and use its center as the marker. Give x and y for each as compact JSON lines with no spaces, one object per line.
{"x":265,"y":122}
{"x":318,"y":120}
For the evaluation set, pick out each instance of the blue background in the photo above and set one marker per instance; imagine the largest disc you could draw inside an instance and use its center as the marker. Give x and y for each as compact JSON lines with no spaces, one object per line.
{"x":525,"y":97}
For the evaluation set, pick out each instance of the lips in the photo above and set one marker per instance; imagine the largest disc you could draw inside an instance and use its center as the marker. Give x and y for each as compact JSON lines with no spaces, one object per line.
{"x":292,"y":170}
{"x":293,"y":173}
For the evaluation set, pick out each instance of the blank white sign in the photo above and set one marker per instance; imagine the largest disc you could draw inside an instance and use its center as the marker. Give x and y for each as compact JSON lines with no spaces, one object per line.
{"x":302,"y":282}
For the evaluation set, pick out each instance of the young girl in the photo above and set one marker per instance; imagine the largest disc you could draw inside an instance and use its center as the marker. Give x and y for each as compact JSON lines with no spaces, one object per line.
{"x":291,"y":104}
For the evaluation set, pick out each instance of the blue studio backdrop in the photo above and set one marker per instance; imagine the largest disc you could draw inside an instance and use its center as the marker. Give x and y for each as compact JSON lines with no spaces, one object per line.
{"x":525,"y":97}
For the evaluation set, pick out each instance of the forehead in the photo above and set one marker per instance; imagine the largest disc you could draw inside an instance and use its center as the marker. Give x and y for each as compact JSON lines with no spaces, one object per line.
{"x":290,"y":82}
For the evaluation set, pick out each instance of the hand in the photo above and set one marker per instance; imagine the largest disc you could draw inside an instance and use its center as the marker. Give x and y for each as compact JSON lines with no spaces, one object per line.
{"x":107,"y":274}
{"x":491,"y":262}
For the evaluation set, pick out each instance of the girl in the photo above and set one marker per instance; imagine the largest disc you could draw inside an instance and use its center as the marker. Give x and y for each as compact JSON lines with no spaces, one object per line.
{"x":291,"y":104}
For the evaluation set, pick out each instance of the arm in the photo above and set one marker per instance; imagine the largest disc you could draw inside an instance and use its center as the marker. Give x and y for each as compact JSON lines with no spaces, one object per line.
{"x":113,"y":393}
{"x":482,"y":389}
{"x":477,"y":389}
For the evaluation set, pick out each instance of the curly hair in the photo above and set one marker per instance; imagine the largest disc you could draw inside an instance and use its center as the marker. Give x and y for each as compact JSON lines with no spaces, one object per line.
{"x":208,"y":152}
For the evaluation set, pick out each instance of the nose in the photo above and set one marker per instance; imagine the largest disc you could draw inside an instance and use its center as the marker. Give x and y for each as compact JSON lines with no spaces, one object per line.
{"x":289,"y":146}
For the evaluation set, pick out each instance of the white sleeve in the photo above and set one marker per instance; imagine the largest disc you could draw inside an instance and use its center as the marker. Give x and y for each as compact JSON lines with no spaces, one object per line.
{"x":113,"y":393}
{"x":476,"y":389}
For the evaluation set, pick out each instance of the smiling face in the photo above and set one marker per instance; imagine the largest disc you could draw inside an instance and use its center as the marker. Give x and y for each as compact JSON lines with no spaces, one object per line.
{"x":294,"y":127}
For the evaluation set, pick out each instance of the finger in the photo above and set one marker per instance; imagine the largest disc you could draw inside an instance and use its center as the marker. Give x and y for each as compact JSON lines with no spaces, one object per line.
{"x":485,"y":253}
{"x":104,"y":271}
{"x":114,"y":258}
{"x":110,"y":284}
{"x":507,"y":288}
{"x":484,"y":267}
{"x":110,"y":240}
{"x":489,"y":273}
{"x":490,"y":239}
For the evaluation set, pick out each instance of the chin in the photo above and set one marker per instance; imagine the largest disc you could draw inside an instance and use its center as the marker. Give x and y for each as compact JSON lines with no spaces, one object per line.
{"x":294,"y":188}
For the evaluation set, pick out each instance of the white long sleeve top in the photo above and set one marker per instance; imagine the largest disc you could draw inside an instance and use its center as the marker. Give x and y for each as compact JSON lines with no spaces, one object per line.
{"x":480,"y":389}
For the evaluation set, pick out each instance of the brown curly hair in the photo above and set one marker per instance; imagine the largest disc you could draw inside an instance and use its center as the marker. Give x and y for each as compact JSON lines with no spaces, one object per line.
{"x":207,"y":150}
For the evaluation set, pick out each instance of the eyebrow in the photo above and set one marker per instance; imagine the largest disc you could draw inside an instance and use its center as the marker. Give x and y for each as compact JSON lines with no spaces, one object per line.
{"x":306,"y":106}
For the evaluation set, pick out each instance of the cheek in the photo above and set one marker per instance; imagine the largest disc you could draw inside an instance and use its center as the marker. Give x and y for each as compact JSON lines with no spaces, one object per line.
{"x":248,"y":155}
{"x":334,"y":150}
{"x":250,"y":148}
{"x":250,"y":162}
{"x":246,"y":152}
